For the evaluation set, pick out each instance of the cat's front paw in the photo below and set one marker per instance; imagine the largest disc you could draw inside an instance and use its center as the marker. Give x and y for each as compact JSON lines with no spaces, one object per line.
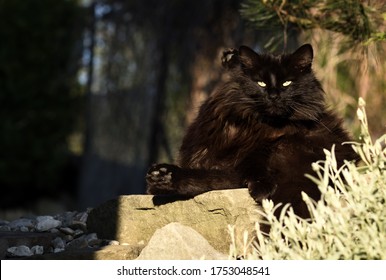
{"x":159,"y":179}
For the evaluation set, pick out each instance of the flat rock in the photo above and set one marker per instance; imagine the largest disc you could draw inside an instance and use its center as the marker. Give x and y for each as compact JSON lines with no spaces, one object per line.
{"x":178,"y":242}
{"x":133,"y":219}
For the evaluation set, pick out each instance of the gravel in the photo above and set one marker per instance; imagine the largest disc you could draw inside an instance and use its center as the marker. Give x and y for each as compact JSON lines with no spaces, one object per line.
{"x":69,"y":230}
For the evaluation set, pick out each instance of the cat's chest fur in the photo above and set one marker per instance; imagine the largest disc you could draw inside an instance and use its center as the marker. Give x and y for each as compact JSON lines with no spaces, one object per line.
{"x":228,"y":145}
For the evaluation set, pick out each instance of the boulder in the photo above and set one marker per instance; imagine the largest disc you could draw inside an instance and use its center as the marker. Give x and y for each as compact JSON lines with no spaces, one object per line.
{"x":178,"y":242}
{"x":133,"y":219}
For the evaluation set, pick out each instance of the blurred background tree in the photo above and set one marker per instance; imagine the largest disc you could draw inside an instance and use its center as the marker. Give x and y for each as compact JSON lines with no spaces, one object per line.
{"x":94,"y":91}
{"x":40,"y":47}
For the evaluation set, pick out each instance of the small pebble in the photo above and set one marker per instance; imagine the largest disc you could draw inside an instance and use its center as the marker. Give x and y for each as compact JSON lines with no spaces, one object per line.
{"x":45,"y":223}
{"x":79,"y":225}
{"x":3,"y":222}
{"x":37,"y":250}
{"x":78,"y":233}
{"x":113,"y":242}
{"x":5,"y":228}
{"x":68,"y":238}
{"x":58,"y":250}
{"x":20,"y":251}
{"x":24,"y":229}
{"x":58,"y":243}
{"x":77,"y":243}
{"x":23,"y":222}
{"x":67,"y":230}
{"x":92,"y":239}
{"x":82,"y":217}
{"x":54,"y":231}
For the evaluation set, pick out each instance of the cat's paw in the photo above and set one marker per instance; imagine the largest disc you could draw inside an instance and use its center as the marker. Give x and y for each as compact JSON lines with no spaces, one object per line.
{"x":260,"y":190}
{"x":229,"y":58}
{"x":159,"y":179}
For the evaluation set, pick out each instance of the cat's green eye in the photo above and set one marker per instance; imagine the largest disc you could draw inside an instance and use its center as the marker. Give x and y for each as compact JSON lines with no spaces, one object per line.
{"x":262,"y":84}
{"x":287,"y":83}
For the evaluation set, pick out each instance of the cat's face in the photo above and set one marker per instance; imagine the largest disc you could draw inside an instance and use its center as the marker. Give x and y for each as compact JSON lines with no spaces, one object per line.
{"x":281,"y":87}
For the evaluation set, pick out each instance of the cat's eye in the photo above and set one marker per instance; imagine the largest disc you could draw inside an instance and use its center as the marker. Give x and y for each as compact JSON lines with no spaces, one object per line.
{"x":287,"y":83}
{"x":262,"y":84}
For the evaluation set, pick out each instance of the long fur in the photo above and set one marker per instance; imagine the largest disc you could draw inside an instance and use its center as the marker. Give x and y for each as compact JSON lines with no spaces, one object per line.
{"x":264,"y":138}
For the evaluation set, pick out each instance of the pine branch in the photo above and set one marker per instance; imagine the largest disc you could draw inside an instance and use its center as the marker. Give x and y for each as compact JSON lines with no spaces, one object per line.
{"x":361,"y":22}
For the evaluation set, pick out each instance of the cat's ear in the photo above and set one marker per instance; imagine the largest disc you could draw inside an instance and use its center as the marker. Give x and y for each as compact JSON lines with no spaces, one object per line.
{"x":301,"y":59}
{"x":230,"y":58}
{"x":247,"y":56}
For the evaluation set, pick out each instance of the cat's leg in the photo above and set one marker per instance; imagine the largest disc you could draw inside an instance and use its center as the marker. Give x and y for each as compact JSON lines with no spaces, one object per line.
{"x":257,"y":176}
{"x":170,"y":179}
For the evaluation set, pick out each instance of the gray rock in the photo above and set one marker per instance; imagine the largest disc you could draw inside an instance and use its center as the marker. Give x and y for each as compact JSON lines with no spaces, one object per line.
{"x":46,"y":223}
{"x":68,"y":238}
{"x":54,"y":231}
{"x":133,"y":219}
{"x":20,"y":251}
{"x":81,"y":217}
{"x":77,"y":233}
{"x":67,"y":230}
{"x":77,"y":243}
{"x":58,"y":243}
{"x":23,"y":222}
{"x":79,"y":225}
{"x":177,"y":242}
{"x":37,"y":250}
{"x":67,"y":218}
{"x":24,"y":229}
{"x":92,"y":239}
{"x":28,"y":239}
{"x":5,"y":228}
{"x":58,"y":250}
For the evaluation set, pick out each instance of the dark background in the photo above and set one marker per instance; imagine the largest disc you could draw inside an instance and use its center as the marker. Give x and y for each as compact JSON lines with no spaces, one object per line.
{"x":93,"y":92}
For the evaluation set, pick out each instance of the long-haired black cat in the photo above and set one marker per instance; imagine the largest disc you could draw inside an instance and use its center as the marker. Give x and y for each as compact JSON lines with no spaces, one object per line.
{"x":262,"y":129}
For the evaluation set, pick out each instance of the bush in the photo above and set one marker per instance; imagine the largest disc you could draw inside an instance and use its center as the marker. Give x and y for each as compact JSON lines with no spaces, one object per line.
{"x":349,"y":222}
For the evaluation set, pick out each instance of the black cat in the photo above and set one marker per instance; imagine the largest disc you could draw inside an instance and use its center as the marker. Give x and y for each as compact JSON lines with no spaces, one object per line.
{"x":262,"y":129}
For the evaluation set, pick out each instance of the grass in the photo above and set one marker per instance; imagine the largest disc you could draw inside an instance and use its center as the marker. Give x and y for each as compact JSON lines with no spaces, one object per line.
{"x":349,"y":222}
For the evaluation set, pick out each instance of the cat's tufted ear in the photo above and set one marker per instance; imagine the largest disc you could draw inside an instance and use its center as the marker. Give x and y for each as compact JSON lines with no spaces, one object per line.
{"x":230,"y":58}
{"x":301,"y":59}
{"x":247,"y":56}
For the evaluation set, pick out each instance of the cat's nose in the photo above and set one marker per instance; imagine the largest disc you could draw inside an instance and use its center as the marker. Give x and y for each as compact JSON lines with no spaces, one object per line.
{"x":273,"y":96}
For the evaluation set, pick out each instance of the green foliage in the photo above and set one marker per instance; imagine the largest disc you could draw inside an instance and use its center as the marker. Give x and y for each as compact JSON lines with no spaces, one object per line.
{"x":356,"y":19}
{"x":349,"y":222}
{"x":38,"y":88}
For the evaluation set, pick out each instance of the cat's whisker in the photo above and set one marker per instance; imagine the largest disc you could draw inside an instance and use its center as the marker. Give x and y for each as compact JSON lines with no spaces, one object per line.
{"x":310,"y":116}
